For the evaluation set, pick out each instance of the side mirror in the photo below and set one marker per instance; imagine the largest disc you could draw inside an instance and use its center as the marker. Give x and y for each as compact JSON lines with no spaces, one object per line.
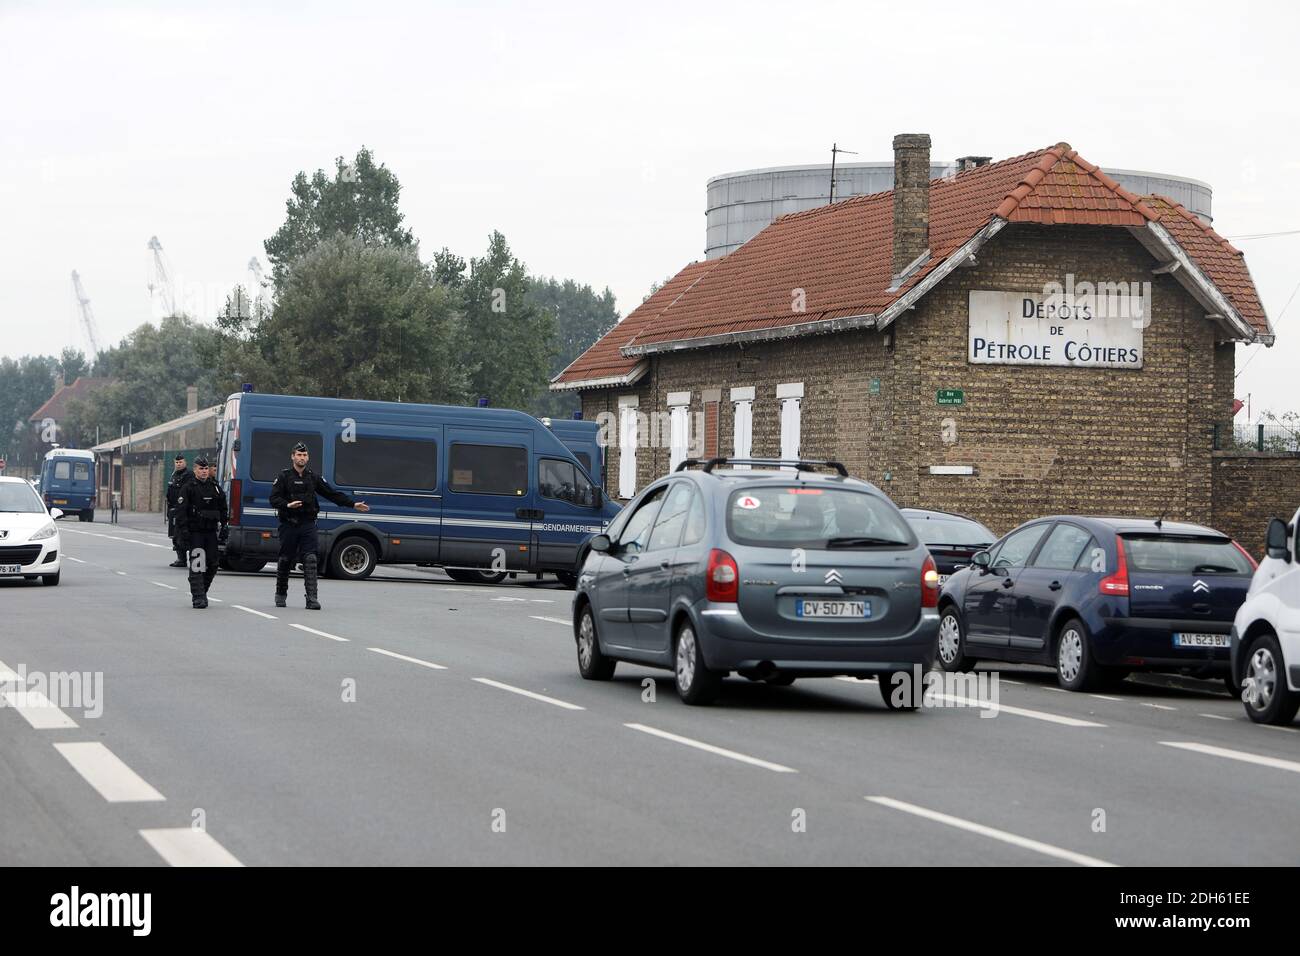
{"x":601,"y":543}
{"x":981,"y":560}
{"x":1276,"y":540}
{"x":56,"y":514}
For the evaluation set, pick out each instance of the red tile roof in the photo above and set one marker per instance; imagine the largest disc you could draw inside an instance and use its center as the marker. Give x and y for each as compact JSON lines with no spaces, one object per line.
{"x":56,"y":407}
{"x":841,"y":255}
{"x":603,"y":359}
{"x":1222,"y":263}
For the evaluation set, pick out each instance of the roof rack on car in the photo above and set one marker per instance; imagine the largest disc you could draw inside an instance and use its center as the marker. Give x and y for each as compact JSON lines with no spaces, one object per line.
{"x":799,"y":464}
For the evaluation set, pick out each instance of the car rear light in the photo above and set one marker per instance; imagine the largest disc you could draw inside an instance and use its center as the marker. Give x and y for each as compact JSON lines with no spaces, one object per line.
{"x":1116,"y":584}
{"x":1253,"y":563}
{"x":929,"y":583}
{"x":722,"y":579}
{"x":236,"y":503}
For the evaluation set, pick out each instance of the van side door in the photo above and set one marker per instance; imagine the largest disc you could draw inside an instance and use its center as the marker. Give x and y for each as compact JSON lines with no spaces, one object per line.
{"x":488,"y":503}
{"x":394,"y":469}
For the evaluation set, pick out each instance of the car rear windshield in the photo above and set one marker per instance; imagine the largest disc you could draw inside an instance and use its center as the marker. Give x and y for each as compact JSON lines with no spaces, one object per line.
{"x":815,"y":518}
{"x":949,"y":529}
{"x":19,"y":498}
{"x":1167,"y":554}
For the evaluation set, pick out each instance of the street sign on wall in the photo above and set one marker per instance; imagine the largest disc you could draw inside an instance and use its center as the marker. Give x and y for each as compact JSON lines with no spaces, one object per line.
{"x":950,"y":396}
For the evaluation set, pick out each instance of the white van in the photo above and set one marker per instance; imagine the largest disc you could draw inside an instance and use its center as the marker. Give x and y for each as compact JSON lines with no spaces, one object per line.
{"x":1266,"y":630}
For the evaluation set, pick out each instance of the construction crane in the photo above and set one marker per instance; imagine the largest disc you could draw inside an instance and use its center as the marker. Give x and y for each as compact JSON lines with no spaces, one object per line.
{"x":259,"y":278}
{"x":87,"y":317}
{"x":160,"y":280}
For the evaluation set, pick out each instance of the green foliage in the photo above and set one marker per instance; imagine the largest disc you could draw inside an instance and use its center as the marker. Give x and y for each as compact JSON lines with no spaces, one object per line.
{"x":581,"y":317}
{"x":25,"y":385}
{"x":360,"y":202}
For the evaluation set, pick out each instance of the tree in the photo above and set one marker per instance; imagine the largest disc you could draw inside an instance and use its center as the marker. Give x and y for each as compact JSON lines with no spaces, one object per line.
{"x":25,"y":385}
{"x":234,"y":352}
{"x":508,"y":341}
{"x":360,"y":202}
{"x":362,"y":321}
{"x":581,"y":317}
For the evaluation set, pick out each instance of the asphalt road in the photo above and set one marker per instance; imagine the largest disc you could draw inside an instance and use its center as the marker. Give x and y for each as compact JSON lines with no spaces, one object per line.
{"x":419,"y":721}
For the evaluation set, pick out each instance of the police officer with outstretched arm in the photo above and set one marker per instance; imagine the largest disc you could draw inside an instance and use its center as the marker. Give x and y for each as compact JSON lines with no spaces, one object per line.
{"x":293,"y":496}
{"x":202,"y":519}
{"x":181,"y":475}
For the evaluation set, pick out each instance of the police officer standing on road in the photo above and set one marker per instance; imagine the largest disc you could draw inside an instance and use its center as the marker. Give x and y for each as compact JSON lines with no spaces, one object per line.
{"x":202,"y":517}
{"x":293,"y":496}
{"x":179,"y":477}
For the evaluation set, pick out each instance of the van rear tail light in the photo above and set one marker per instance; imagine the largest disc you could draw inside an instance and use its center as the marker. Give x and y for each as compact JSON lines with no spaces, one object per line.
{"x":722,"y":579}
{"x":1253,"y":563}
{"x":1116,"y":584}
{"x":929,"y":583}
{"x":236,"y":502}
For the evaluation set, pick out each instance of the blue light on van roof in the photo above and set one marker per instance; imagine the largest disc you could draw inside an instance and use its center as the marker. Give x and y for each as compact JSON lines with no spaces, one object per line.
{"x":483,"y":402}
{"x":247,"y":387}
{"x":577,"y":416}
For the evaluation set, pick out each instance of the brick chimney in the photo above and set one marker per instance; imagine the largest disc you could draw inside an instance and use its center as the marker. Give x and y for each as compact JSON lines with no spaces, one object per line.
{"x":911,"y":198}
{"x":191,"y":399}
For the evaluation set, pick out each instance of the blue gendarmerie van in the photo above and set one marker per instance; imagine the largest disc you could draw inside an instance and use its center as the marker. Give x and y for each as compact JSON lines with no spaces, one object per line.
{"x":68,"y":482}
{"x":481,"y":492}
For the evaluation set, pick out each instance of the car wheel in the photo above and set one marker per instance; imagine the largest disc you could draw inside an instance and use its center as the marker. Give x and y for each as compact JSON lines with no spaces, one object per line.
{"x":1075,"y":668}
{"x":51,"y":580}
{"x":696,"y":684}
{"x":1265,"y":694}
{"x":592,"y":662}
{"x":353,"y":558}
{"x":952,"y":643}
{"x":901,"y":695}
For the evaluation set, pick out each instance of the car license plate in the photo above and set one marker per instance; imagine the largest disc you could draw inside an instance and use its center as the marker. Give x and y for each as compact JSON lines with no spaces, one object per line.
{"x":1202,"y":640}
{"x":60,"y":501}
{"x":943,"y":579}
{"x":833,"y":609}
{"x":11,"y":569}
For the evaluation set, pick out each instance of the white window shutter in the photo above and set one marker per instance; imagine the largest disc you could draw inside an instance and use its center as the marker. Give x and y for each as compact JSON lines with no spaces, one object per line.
{"x":627,"y":438}
{"x":678,"y":439}
{"x":743,"y":431}
{"x":790,"y":428}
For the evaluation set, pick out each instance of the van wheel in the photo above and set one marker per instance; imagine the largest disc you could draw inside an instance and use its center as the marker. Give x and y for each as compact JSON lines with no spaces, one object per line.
{"x":1075,"y":668}
{"x":353,"y":558}
{"x":487,"y":577}
{"x":952,"y":643}
{"x":81,"y":516}
{"x":592,"y":663}
{"x":696,"y":684}
{"x":1266,"y":696}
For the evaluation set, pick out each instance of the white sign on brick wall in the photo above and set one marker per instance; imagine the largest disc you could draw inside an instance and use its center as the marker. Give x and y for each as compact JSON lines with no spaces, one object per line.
{"x":1033,"y":328}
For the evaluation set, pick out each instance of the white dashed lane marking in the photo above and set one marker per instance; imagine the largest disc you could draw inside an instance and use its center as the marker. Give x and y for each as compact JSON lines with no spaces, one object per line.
{"x":1020,"y":711}
{"x":528,"y":693}
{"x":710,"y":748}
{"x":269,"y":617}
{"x":409,"y":660}
{"x":1147,"y":703}
{"x":103,"y":770}
{"x":1277,"y":763}
{"x":312,"y":630}
{"x":991,"y":832}
{"x":186,"y":846}
{"x":71,"y":558}
{"x":1214,"y":716}
{"x":553,"y":620}
{"x":37,"y":709}
{"x":161,"y":585}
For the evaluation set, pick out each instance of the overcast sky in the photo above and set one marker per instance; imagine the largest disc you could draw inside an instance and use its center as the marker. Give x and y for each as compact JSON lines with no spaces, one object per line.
{"x":586,"y":132}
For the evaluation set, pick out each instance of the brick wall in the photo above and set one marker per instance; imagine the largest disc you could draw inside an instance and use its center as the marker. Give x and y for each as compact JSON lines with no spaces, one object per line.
{"x":1251,"y":487}
{"x":1043,"y":439}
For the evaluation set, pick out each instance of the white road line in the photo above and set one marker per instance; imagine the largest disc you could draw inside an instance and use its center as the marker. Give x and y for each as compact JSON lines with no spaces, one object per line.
{"x":553,"y":620}
{"x":123,"y":573}
{"x":1057,"y":690}
{"x":1104,"y":697}
{"x":186,"y":846}
{"x":71,"y":558}
{"x":37,"y":709}
{"x":101,"y":768}
{"x":312,"y":630}
{"x":403,"y":657}
{"x":269,"y":617}
{"x":709,"y":748}
{"x":218,"y":600}
{"x":1023,"y":842}
{"x":1020,"y":711}
{"x":1147,"y":703}
{"x":854,"y":680}
{"x":541,"y":600}
{"x":528,"y":693}
{"x":7,"y":675}
{"x":1214,"y":716}
{"x":1285,"y":730}
{"x":1275,"y":762}
{"x":169,"y":587}
{"x":1013,"y":683}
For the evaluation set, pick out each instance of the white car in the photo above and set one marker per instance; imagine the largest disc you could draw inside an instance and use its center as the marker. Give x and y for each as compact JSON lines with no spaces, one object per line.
{"x":29,"y":539}
{"x":1266,"y":630}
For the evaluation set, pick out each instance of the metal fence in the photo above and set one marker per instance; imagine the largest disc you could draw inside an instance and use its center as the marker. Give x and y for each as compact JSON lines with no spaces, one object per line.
{"x":1271,"y":438}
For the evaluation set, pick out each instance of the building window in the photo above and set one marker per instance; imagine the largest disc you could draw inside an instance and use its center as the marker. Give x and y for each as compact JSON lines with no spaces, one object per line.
{"x":790,"y":396}
{"x":679,"y":427}
{"x":742,"y":425}
{"x":627,"y":439}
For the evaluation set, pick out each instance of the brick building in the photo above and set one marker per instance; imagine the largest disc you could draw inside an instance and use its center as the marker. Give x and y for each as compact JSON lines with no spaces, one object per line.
{"x":1023,"y":338}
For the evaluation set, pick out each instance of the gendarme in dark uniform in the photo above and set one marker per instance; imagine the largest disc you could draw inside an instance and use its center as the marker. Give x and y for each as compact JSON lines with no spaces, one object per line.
{"x":181,"y":475}
{"x":202,"y":517}
{"x":293,"y":496}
